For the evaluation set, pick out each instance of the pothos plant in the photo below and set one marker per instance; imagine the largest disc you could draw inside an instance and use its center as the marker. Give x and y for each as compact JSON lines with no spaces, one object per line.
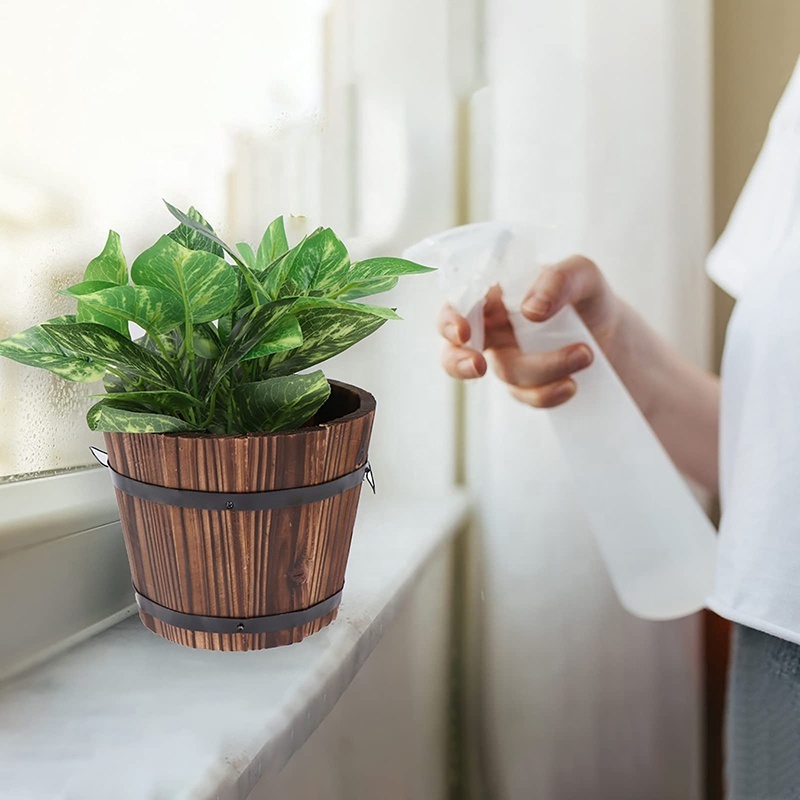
{"x":226,"y":330}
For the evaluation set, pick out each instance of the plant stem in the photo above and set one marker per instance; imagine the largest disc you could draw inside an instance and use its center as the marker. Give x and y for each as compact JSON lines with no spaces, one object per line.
{"x":212,"y":405}
{"x":249,"y":281}
{"x":229,"y":423}
{"x":188,"y":346}
{"x":248,"y":278}
{"x":119,"y":374}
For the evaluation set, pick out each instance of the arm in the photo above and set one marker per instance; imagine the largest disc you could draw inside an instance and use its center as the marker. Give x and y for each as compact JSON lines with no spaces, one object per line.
{"x":680,"y":401}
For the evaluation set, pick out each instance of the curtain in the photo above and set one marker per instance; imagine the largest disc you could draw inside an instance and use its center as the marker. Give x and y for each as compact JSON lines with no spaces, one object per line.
{"x":599,"y":119}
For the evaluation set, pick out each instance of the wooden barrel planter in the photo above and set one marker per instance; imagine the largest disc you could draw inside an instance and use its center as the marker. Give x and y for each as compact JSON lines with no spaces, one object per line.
{"x":250,"y":551}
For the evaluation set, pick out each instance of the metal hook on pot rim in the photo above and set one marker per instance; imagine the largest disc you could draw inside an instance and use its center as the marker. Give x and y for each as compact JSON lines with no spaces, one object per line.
{"x":369,"y":477}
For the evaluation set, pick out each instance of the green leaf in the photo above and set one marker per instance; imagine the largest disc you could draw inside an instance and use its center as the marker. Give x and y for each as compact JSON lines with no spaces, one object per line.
{"x":283,"y":335}
{"x":367,"y":288}
{"x":224,"y":327}
{"x":35,"y":348}
{"x":110,"y":266}
{"x":115,"y":416}
{"x":113,"y":384}
{"x":167,"y":399}
{"x":303,"y":303}
{"x":327,"y":331}
{"x":204,"y":282}
{"x":273,"y":244}
{"x":384,"y":268}
{"x":155,"y":310}
{"x":77,"y":290}
{"x":111,"y":349}
{"x":172,"y":341}
{"x":273,"y":278}
{"x":321,"y":263}
{"x":202,"y":227}
{"x":263,"y":327}
{"x":205,"y":341}
{"x":280,"y":404}
{"x":247,"y":254}
{"x":87,"y":313}
{"x":192,"y":238}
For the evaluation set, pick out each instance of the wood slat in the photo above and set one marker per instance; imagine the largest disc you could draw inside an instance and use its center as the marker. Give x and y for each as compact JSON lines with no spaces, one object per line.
{"x":244,"y":563}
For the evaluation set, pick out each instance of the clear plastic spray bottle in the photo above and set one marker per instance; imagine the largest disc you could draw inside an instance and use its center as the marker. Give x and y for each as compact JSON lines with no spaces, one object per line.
{"x":655,"y":539}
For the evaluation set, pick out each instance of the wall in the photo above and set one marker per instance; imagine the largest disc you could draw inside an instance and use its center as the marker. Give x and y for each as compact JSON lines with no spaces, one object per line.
{"x":756,"y":46}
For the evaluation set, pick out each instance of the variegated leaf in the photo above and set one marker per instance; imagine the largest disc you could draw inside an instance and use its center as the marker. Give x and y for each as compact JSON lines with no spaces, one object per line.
{"x":273,"y":244}
{"x":283,"y":335}
{"x":327,"y":331}
{"x":303,"y":303}
{"x":263,"y":326}
{"x":110,"y":266}
{"x":280,"y":404}
{"x":87,"y":313}
{"x":77,"y":290}
{"x":203,"y":228}
{"x":155,"y":310}
{"x":111,"y":349}
{"x":206,"y":342}
{"x":366,"y":288}
{"x":115,"y":416}
{"x":192,"y":238}
{"x":35,"y":348}
{"x":321,"y":263}
{"x":224,"y":327}
{"x":205,"y":283}
{"x":384,"y":268}
{"x":171,"y":342}
{"x":273,"y":277}
{"x":162,"y":399}
{"x":247,"y":254}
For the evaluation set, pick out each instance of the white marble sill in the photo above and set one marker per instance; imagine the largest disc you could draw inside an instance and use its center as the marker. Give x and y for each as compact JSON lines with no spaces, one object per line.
{"x":129,"y":716}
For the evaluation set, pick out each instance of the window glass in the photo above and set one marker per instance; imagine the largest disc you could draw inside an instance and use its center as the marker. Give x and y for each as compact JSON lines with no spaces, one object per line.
{"x":107,"y":108}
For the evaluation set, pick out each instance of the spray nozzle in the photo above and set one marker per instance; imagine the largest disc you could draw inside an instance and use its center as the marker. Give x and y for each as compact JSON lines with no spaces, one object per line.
{"x":472,"y":259}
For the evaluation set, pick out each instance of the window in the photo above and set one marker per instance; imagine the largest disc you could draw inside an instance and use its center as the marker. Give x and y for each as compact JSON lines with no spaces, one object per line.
{"x":112,"y":107}
{"x":247,"y":111}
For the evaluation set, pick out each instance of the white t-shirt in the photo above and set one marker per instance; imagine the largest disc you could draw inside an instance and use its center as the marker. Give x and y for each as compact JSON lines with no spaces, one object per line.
{"x":757,"y":260}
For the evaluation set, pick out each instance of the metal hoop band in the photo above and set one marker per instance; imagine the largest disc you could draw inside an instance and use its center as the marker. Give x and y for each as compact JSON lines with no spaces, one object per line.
{"x":272,"y":623}
{"x":235,"y":501}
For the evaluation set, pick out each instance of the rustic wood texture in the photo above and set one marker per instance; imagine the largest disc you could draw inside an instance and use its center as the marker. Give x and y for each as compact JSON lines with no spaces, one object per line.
{"x":244,"y":563}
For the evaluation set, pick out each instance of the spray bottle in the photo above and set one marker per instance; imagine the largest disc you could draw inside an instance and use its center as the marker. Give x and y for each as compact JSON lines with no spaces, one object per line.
{"x":655,"y":539}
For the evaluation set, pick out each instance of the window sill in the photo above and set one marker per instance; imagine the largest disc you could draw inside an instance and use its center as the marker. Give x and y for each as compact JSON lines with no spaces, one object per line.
{"x":129,"y":715}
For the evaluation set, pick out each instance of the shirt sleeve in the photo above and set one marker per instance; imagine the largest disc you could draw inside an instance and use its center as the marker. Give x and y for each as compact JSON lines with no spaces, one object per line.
{"x":769,"y":206}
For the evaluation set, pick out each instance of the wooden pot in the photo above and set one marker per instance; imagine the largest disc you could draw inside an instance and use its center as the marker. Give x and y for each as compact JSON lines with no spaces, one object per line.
{"x":227,"y":562}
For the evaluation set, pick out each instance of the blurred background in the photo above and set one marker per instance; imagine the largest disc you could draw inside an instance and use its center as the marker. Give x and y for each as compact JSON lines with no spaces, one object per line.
{"x":629,"y":125}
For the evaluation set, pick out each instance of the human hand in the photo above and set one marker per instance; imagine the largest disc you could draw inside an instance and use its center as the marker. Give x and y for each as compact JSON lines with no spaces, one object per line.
{"x":538,"y":379}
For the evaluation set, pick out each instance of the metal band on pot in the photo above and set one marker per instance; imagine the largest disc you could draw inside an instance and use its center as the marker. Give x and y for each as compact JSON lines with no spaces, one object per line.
{"x":272,"y":623}
{"x":235,"y":501}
